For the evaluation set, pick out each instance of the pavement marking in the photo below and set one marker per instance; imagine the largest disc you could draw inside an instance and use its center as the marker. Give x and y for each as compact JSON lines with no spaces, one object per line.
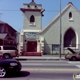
{"x":52,"y":69}
{"x":76,"y":63}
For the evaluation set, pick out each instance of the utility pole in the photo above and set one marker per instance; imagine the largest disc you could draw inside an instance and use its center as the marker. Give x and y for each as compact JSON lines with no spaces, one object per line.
{"x":60,"y":30}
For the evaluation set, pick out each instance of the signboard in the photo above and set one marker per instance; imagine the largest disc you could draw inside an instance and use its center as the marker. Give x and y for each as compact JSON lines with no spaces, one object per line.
{"x":55,"y":47}
{"x":31,"y":35}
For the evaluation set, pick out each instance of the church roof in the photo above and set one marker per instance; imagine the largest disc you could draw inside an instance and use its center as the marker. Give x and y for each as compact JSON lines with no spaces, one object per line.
{"x":57,"y":16}
{"x":32,"y":3}
{"x":2,"y":23}
{"x":37,"y":7}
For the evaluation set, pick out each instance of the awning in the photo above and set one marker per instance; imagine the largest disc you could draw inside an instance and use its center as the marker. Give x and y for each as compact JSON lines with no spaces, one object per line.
{"x":2,"y":36}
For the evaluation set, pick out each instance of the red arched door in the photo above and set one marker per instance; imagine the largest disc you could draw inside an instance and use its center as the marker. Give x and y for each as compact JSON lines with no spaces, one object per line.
{"x":32,"y":46}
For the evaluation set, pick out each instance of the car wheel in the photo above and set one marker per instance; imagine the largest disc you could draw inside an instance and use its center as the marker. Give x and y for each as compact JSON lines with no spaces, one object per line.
{"x":6,"y":56}
{"x":2,"y":72}
{"x":73,"y":58}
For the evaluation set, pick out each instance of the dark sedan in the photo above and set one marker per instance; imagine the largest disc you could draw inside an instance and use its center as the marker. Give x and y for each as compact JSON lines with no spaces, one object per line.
{"x":9,"y":65}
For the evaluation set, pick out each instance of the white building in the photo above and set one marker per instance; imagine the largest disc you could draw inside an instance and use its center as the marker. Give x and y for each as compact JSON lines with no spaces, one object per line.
{"x":37,"y":41}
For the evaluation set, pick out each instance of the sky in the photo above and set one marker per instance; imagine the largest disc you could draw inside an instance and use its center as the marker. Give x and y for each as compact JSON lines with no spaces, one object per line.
{"x":11,"y":14}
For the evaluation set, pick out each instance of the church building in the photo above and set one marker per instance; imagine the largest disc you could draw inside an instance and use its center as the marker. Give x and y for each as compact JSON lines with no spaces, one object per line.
{"x":35,"y":41}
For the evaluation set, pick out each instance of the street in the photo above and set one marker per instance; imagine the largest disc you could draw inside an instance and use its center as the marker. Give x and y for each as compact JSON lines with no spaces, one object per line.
{"x":51,"y":65}
{"x":46,"y":70}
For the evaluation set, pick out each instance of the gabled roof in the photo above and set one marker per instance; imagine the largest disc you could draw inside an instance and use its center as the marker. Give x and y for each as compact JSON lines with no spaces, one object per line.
{"x":63,"y":10}
{"x":2,"y":23}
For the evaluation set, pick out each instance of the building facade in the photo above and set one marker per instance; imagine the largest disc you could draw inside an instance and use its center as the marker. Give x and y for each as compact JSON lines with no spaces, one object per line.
{"x":30,"y":39}
{"x":37,"y":41}
{"x":8,"y":35}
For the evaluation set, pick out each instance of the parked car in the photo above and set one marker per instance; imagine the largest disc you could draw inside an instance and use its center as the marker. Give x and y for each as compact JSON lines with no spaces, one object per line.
{"x":8,"y":51}
{"x":74,"y":56}
{"x":9,"y":65}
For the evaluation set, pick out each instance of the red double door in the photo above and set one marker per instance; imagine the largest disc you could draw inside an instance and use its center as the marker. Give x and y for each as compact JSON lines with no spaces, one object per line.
{"x":32,"y":46}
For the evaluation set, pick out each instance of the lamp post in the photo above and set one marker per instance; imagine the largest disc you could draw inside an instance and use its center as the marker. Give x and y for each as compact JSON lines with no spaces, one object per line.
{"x":60,"y":30}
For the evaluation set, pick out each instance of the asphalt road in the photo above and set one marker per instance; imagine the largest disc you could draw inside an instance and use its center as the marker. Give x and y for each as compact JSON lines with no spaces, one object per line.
{"x":50,"y":64}
{"x":46,"y":70}
{"x":24,"y":75}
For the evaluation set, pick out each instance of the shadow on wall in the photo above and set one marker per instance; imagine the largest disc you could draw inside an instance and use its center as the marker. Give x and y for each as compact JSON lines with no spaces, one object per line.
{"x":47,"y":48}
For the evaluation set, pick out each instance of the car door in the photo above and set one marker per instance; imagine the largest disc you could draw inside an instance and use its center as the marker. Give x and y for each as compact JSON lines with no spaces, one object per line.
{"x":0,"y":51}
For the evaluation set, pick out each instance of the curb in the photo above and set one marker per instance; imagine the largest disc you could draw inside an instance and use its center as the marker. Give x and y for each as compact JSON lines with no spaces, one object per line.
{"x":37,"y":58}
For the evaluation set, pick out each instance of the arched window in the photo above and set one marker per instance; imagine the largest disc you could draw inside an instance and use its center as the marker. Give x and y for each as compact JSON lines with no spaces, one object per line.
{"x":32,"y":19}
{"x":70,"y":15}
{"x":70,"y":38}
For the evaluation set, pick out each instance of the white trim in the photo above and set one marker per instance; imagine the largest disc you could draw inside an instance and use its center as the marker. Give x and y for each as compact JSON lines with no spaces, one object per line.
{"x":32,"y":24}
{"x":21,"y":33}
{"x":71,"y":20}
{"x":31,"y":30}
{"x":77,"y":40}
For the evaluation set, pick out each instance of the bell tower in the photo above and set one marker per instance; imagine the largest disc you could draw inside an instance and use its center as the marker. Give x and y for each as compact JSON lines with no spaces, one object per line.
{"x":32,"y":24}
{"x":32,"y":14}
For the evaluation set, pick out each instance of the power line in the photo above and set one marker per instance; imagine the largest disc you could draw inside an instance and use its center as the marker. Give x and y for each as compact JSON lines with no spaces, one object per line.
{"x":45,"y":10}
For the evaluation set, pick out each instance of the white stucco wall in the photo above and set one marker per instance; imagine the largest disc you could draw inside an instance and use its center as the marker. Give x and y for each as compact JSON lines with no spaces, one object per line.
{"x":38,"y":19}
{"x":52,"y":33}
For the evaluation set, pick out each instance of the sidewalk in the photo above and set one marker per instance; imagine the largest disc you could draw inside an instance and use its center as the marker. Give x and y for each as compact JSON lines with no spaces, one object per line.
{"x":44,"y":57}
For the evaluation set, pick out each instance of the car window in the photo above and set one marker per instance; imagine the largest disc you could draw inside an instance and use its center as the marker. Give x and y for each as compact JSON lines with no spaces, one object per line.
{"x":9,"y":48}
